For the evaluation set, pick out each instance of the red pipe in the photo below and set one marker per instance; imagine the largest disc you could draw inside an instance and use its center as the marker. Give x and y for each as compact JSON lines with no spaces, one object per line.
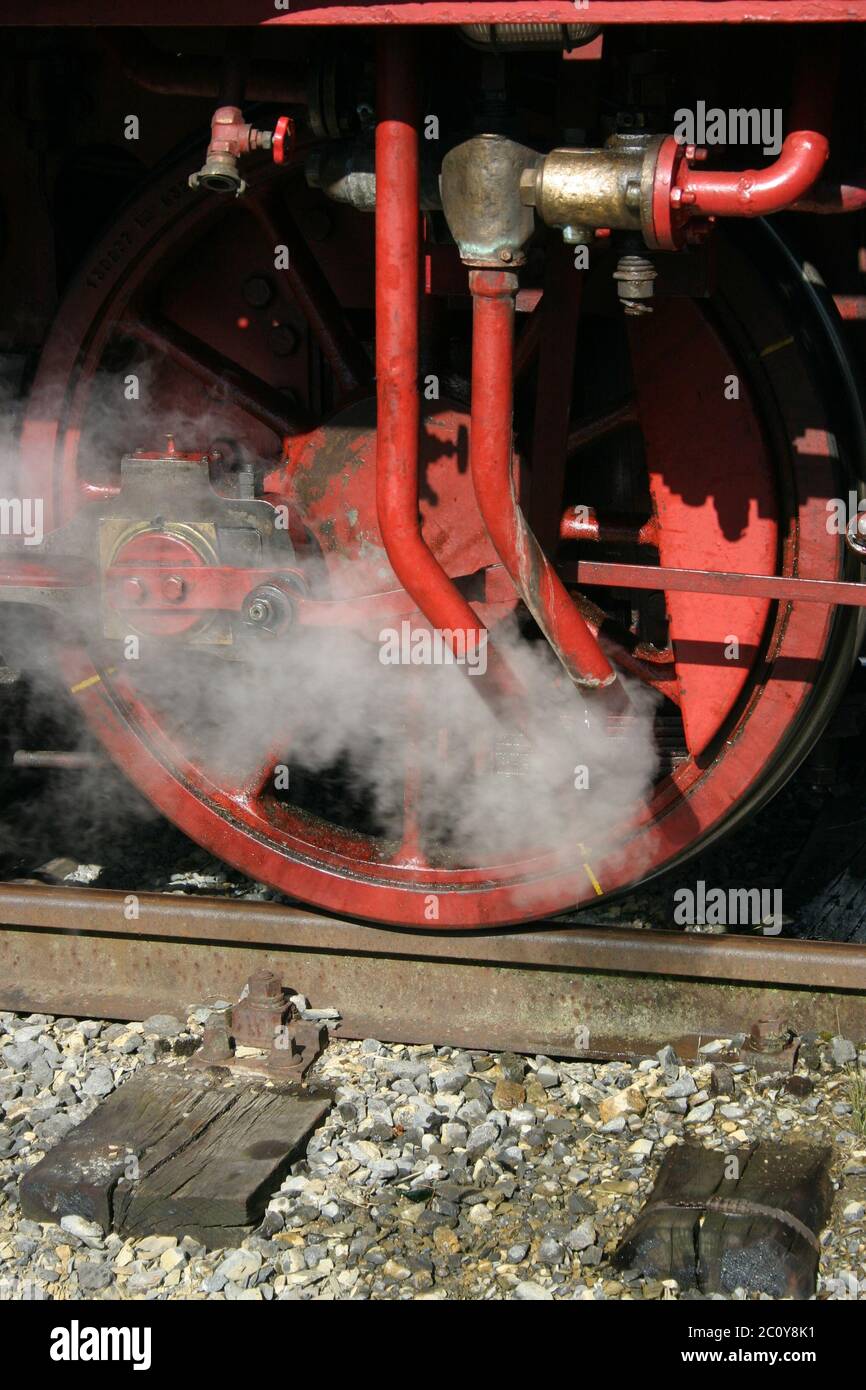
{"x":398,"y":406}
{"x":756,"y":192}
{"x":490,"y":462}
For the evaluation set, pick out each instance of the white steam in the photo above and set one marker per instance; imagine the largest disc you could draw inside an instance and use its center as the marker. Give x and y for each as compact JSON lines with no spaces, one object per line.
{"x":481,"y":794}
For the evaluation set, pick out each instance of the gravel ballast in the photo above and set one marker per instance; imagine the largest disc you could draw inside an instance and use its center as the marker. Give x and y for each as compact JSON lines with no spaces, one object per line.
{"x":438,"y":1174}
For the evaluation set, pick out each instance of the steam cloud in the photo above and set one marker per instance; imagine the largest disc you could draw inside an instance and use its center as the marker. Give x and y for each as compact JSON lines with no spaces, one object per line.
{"x":485,"y":795}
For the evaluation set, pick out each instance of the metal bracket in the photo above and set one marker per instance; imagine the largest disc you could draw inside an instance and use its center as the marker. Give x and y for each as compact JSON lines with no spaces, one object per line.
{"x":770,"y":1047}
{"x":276,"y":1041}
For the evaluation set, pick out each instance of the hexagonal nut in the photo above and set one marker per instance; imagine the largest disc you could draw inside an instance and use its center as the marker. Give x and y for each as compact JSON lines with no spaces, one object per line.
{"x":173,"y":588}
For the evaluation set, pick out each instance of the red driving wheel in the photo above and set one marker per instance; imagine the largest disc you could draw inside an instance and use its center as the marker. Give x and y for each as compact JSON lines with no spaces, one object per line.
{"x":181,"y":304}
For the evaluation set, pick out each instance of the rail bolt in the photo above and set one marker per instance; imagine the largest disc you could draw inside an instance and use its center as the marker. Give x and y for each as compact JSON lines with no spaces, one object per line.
{"x":216,"y":1039}
{"x":769,"y":1035}
{"x":263,"y":987}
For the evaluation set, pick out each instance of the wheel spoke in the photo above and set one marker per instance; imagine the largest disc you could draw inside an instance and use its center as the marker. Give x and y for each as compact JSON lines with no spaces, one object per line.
{"x":661,"y":677}
{"x":227,"y":379}
{"x":314,"y":297}
{"x":596,"y":427}
{"x":410,"y":851}
{"x":251,"y":782}
{"x":705,"y":515}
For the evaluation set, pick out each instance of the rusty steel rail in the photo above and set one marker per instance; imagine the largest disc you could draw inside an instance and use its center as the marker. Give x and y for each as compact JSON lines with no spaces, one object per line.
{"x":569,"y":991}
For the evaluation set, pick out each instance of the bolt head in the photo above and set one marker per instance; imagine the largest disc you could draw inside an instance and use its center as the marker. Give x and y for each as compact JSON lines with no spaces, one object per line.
{"x":264,"y":985}
{"x":258,"y":291}
{"x":282,"y":340}
{"x":259,"y":611}
{"x":173,"y":588}
{"x":133,"y":590}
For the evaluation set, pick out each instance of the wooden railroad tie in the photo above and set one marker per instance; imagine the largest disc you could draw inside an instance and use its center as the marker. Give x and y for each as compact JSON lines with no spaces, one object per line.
{"x":177,"y":1151}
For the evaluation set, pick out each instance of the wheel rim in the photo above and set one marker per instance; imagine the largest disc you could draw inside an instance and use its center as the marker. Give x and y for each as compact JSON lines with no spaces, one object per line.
{"x":740,"y":730}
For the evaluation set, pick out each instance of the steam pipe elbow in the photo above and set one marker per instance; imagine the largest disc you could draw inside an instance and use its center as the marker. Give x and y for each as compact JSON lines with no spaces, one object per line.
{"x":757,"y":193}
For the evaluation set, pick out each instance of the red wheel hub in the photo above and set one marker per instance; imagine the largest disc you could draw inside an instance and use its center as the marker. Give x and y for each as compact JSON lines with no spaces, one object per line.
{"x":159,"y":559}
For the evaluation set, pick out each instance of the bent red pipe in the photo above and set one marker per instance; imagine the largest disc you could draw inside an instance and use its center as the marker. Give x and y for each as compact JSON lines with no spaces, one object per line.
{"x":757,"y":192}
{"x":490,"y":463}
{"x":397,"y":396}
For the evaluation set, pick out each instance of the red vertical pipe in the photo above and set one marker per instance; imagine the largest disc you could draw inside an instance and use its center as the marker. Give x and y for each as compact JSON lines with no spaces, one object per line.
{"x":398,"y":406}
{"x":490,"y":462}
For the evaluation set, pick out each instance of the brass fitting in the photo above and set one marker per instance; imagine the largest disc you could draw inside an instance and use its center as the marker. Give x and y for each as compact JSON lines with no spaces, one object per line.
{"x":609,"y":187}
{"x":231,"y":138}
{"x":481,"y":198}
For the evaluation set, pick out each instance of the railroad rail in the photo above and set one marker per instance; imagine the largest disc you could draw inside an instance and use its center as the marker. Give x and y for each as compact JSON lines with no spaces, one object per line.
{"x":568,"y":990}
